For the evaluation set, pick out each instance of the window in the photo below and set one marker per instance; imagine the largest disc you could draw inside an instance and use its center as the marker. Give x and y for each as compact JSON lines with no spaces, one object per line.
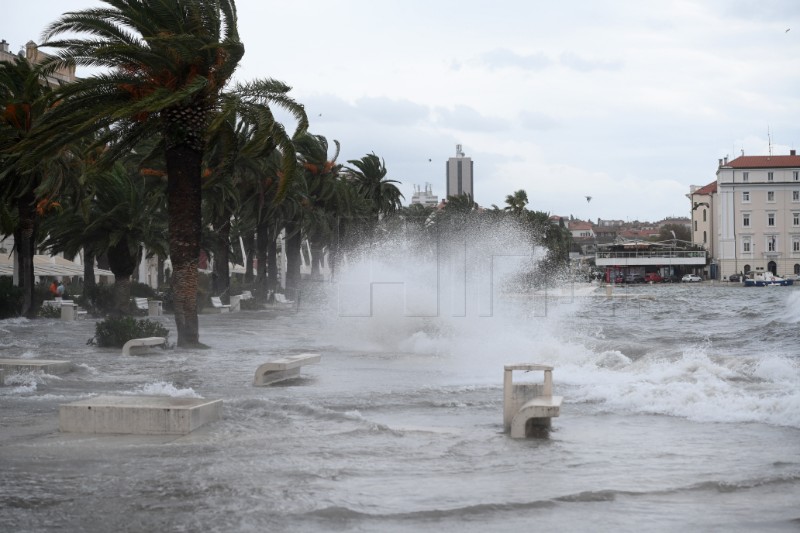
{"x":796,"y":268}
{"x":771,"y":243}
{"x":770,"y":219}
{"x":796,"y":196}
{"x":704,"y":215}
{"x":745,"y":176}
{"x":704,"y":237}
{"x":695,"y":225}
{"x":770,"y":176}
{"x":796,"y":175}
{"x":795,"y":219}
{"x":746,"y":245}
{"x":747,"y":268}
{"x":796,"y":245}
{"x":770,"y":196}
{"x":746,"y":220}
{"x":746,"y":197}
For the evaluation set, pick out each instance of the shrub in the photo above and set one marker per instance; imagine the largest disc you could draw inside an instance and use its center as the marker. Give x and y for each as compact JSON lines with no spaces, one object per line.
{"x":250,"y":305}
{"x":49,"y":311}
{"x":115,"y":332}
{"x":98,"y":300}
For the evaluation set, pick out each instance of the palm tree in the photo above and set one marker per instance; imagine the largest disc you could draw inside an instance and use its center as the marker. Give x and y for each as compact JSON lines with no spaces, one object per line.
{"x":517,"y":202}
{"x":119,"y":214}
{"x":23,"y":102}
{"x":370,"y":176}
{"x":169,"y":61}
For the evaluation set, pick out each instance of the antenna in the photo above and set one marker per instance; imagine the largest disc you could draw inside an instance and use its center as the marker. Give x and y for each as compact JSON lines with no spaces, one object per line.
{"x":769,"y":140}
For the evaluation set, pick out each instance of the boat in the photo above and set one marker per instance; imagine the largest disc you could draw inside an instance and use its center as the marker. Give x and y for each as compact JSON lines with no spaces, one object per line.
{"x":765,"y":279}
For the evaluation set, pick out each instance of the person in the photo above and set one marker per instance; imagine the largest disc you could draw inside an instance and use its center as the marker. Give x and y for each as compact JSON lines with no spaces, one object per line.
{"x":60,"y":289}
{"x":54,"y":288}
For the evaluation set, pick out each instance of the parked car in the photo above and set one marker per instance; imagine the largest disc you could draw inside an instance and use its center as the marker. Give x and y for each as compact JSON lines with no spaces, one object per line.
{"x":691,"y":278}
{"x":735,"y":277}
{"x":634,"y":278}
{"x":653,"y":277}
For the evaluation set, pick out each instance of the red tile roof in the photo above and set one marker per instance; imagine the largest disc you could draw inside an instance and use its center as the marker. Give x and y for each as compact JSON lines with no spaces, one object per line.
{"x":765,"y":161}
{"x":711,"y":188}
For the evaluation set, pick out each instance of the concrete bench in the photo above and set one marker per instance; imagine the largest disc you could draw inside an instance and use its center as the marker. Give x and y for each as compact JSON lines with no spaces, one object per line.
{"x":283,"y":368}
{"x":48,"y":366}
{"x":142,"y":345}
{"x":246,"y":295}
{"x":138,"y":415}
{"x":141,"y":304}
{"x":529,"y":407}
{"x":281,"y":299}
{"x":219,"y":306}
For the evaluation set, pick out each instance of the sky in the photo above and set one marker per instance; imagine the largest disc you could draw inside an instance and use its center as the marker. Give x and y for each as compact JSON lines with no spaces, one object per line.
{"x":627,"y":102}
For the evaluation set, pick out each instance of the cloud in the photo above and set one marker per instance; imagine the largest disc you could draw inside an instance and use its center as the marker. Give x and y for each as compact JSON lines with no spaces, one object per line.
{"x":534,"y":120}
{"x":466,"y":118}
{"x":582,"y":64}
{"x":503,"y":58}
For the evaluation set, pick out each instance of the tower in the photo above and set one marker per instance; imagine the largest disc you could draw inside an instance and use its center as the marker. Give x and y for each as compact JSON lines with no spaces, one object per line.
{"x":459,"y":174}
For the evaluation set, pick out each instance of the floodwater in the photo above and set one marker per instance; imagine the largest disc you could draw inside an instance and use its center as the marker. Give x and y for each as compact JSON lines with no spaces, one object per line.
{"x":681,"y":413}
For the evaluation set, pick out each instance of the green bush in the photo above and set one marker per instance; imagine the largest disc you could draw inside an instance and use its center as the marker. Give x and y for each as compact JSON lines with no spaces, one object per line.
{"x":115,"y":332}
{"x":49,"y":311}
{"x":250,"y":305}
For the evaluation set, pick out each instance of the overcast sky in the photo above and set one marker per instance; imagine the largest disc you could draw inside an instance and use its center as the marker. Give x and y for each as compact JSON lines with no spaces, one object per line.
{"x":628,"y":102}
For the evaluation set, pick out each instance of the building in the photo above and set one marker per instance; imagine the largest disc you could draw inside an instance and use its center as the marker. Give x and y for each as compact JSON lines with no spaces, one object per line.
{"x":459,"y":175}
{"x":757,"y":215}
{"x":701,"y":200}
{"x":424,"y":197}
{"x":34,"y":57}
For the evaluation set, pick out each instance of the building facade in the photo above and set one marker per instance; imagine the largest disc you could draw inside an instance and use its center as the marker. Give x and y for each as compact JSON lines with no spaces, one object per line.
{"x":701,"y":201}
{"x":459,"y":175}
{"x":424,"y":197}
{"x":757,"y":215}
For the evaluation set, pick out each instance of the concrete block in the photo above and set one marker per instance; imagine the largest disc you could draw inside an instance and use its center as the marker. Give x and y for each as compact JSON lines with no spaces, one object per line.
{"x":138,"y":415}
{"x":154,"y":308}
{"x":31,"y":365}
{"x":284,"y":368}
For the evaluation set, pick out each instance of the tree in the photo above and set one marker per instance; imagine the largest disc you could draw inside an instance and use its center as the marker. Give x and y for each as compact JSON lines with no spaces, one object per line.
{"x":23,"y":93}
{"x":169,"y":61}
{"x":517,"y":202}
{"x":119,"y":214}
{"x":369,"y":176}
{"x":670,"y":232}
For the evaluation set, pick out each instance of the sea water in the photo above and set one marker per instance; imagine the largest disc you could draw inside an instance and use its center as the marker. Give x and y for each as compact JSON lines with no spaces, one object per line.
{"x":681,"y":413}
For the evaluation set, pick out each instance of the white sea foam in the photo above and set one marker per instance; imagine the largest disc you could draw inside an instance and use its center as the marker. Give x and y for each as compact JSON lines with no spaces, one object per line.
{"x":163,"y":388}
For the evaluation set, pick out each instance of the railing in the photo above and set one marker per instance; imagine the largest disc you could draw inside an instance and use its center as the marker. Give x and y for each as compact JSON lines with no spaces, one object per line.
{"x":650,"y":254}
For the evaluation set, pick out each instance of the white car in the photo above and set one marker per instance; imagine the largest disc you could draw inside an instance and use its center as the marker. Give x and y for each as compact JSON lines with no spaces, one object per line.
{"x":691,"y":277}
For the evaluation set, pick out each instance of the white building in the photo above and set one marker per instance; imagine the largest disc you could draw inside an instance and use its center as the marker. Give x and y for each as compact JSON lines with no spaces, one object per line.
{"x":425,"y":197}
{"x":459,"y":175}
{"x":757,"y":215}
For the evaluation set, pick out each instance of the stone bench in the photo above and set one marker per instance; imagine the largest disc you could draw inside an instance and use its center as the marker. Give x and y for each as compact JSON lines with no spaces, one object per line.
{"x":529,"y":407}
{"x":217,"y":304}
{"x":138,"y":415}
{"x":145,"y":343}
{"x":283,"y":368}
{"x":69,"y":309}
{"x":47,"y":366}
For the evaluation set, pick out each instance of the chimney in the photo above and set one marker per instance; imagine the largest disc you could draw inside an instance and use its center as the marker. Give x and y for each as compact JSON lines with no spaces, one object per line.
{"x":720,"y":162}
{"x":792,"y":152}
{"x":725,"y":160}
{"x":3,"y":46}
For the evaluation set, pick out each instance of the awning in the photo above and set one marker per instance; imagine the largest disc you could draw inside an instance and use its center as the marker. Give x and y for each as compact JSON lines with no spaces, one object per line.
{"x":45,"y":265}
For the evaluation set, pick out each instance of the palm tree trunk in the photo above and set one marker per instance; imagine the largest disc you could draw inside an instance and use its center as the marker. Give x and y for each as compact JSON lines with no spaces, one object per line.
{"x":262,"y":240}
{"x":88,"y":271}
{"x":183,"y":197}
{"x":293,"y":242}
{"x":221,"y":260}
{"x":272,"y":263}
{"x":249,"y":242}
{"x":26,"y":238}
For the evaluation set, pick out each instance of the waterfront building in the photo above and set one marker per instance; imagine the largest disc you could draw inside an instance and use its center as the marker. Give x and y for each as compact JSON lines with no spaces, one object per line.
{"x":424,"y":197}
{"x":34,"y":56}
{"x":701,"y":200}
{"x":756,"y":211}
{"x":459,"y":175}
